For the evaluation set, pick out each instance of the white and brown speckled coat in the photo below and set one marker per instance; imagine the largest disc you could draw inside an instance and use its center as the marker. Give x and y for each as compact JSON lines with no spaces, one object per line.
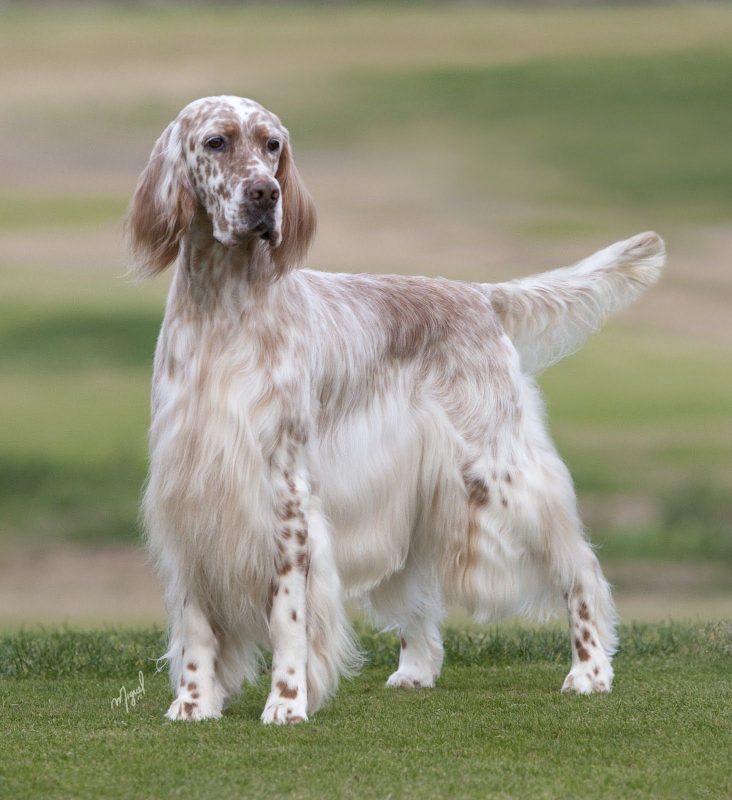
{"x":315,"y":435}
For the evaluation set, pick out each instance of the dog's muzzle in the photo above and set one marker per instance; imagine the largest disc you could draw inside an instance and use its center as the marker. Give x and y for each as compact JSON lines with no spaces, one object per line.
{"x":260,"y":209}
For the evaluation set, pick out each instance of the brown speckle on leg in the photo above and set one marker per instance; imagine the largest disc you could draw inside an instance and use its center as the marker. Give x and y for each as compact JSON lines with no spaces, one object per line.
{"x":285,"y":690}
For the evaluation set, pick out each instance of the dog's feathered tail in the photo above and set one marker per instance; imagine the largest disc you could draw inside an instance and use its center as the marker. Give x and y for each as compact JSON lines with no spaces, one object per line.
{"x":550,"y":316}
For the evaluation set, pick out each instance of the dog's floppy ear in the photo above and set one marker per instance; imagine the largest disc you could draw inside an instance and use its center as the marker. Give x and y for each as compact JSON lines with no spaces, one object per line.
{"x":298,"y":215}
{"x":162,"y":207}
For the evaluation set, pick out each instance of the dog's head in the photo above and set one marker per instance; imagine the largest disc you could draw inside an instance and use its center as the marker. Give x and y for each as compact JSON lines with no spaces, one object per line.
{"x":230,"y":158}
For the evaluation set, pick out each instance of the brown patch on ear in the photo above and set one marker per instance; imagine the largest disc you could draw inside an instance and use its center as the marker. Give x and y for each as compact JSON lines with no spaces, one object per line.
{"x":298,"y":215}
{"x":157,"y":219}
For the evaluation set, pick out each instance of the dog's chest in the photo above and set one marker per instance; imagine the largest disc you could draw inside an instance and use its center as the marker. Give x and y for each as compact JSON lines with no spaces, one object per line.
{"x":216,"y":418}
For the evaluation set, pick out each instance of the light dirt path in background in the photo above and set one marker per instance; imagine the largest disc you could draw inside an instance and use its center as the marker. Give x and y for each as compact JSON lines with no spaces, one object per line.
{"x":79,"y":586}
{"x":116,"y":586}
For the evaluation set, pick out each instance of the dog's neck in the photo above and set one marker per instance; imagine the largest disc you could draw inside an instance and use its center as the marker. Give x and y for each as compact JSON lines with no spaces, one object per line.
{"x":211,"y":276}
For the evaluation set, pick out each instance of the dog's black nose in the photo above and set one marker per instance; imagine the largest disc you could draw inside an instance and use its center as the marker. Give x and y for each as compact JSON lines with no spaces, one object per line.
{"x":263,"y":192}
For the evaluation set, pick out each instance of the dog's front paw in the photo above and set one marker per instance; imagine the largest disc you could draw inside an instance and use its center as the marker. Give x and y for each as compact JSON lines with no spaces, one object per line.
{"x":411,"y":679}
{"x":586,"y":679}
{"x":186,"y":708}
{"x":279,"y":711}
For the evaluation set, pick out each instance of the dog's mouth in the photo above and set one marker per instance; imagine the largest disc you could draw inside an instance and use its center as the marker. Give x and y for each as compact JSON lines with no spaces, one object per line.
{"x":264,"y":230}
{"x":271,"y":234}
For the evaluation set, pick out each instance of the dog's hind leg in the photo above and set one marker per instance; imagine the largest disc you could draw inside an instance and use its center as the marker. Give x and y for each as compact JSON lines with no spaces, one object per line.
{"x":575,"y":571}
{"x":411,"y":602}
{"x":525,"y":549}
{"x":592,"y":620}
{"x":566,"y":558}
{"x":591,"y":629}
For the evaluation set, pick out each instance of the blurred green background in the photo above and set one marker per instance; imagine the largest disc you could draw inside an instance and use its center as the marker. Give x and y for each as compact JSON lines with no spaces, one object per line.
{"x":472,"y":141}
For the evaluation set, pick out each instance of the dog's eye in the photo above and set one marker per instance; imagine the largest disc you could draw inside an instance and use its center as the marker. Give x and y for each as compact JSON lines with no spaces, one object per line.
{"x":273,"y":145}
{"x":214,"y":143}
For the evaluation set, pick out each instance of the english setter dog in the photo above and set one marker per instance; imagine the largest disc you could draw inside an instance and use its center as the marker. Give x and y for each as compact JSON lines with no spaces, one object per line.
{"x":316,"y":436}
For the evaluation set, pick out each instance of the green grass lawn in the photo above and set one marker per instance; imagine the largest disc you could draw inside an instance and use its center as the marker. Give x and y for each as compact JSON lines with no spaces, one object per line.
{"x":495,"y":726}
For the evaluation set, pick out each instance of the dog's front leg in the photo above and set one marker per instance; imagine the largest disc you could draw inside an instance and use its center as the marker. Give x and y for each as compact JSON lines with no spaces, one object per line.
{"x":193,"y":653}
{"x":287,"y":701}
